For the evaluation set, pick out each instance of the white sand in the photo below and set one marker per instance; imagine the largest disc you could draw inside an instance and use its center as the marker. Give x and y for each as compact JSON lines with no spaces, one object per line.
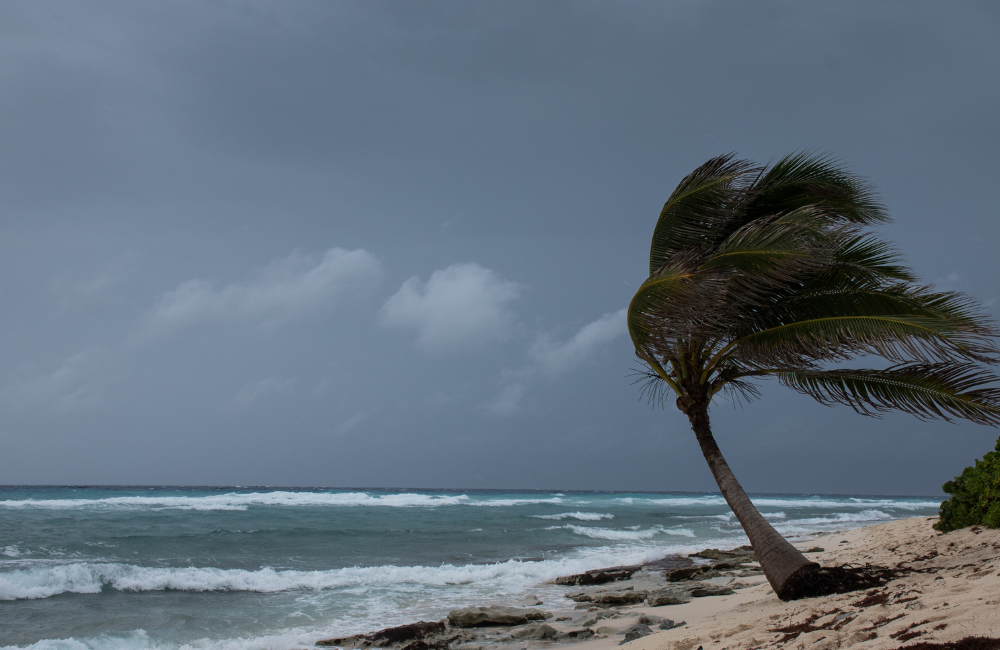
{"x":956,"y":594}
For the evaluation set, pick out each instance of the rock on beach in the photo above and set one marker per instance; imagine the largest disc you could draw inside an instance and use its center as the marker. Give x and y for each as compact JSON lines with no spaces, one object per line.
{"x":663,"y":597}
{"x":620,"y":597}
{"x":495,"y":615}
{"x":598,"y":576}
{"x":942,"y":591}
{"x":388,"y":636}
{"x":636,"y":631}
{"x":539,"y":631}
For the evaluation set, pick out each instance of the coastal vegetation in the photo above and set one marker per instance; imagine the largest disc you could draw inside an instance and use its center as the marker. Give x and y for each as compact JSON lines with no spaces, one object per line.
{"x":975,"y":496}
{"x":773,"y":271}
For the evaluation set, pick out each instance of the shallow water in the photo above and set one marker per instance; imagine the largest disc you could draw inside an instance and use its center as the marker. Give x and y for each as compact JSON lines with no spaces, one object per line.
{"x":167,"y":568}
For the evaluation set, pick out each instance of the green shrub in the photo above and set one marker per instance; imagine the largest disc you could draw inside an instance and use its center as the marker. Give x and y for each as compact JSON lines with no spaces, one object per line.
{"x":975,"y":496}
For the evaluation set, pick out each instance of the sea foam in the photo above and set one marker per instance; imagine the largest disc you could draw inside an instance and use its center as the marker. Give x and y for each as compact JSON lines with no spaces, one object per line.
{"x":629,"y":534}
{"x":845,"y":517}
{"x":508,"y":577}
{"x":243,"y":500}
{"x":240,"y":501}
{"x":140,"y":640}
{"x":581,"y":516}
{"x":786,"y":502}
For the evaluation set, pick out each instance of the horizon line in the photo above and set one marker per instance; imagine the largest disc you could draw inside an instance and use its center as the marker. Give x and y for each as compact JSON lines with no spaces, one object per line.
{"x":152,"y":486}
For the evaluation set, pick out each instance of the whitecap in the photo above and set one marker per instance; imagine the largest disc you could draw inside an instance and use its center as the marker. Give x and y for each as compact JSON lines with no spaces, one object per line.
{"x":47,"y":580}
{"x":513,"y":502}
{"x":680,"y":502}
{"x":851,"y":502}
{"x":629,"y":534}
{"x":582,"y":516}
{"x":140,"y":640}
{"x":240,"y":501}
{"x":787,"y":502}
{"x":845,"y":517}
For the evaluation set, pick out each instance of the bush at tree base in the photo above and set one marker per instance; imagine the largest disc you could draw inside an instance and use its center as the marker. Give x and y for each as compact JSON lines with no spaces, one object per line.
{"x":975,"y":496}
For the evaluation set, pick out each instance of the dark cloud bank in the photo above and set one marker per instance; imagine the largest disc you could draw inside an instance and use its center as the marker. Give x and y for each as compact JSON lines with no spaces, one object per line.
{"x":388,"y":243}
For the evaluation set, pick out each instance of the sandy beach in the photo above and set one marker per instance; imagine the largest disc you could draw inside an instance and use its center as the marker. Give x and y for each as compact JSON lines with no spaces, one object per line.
{"x":945,"y":588}
{"x":952,"y":592}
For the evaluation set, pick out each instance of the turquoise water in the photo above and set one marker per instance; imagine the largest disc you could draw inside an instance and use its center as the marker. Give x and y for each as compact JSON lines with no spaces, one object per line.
{"x":169,"y":568}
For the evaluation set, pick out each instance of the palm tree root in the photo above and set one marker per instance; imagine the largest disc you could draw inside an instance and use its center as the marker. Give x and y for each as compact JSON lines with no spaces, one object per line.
{"x":812,"y":580}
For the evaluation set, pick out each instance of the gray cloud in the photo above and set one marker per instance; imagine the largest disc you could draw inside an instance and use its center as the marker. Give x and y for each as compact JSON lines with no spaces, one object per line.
{"x":552,"y":359}
{"x":285,"y":290}
{"x":459,"y":307}
{"x":78,"y":383}
{"x":155,"y":154}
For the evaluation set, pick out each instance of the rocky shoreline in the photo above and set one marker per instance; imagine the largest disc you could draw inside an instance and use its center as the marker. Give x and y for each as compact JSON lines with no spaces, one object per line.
{"x":940,"y":592}
{"x":608,"y":602}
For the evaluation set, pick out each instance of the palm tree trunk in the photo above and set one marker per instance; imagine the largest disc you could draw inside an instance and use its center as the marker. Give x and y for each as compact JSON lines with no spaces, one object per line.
{"x":784,"y":566}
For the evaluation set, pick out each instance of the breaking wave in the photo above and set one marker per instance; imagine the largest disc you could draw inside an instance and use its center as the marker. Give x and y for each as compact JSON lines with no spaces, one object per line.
{"x":509,"y":577}
{"x":787,"y":502}
{"x":512,"y":502}
{"x":628,"y":534}
{"x":140,"y":640}
{"x":846,"y":518}
{"x":244,"y":500}
{"x":582,"y":516}
{"x":240,"y":501}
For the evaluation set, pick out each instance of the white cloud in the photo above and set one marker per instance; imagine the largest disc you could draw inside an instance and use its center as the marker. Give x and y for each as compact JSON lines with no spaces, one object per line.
{"x":555,"y":359}
{"x":254,"y":391}
{"x":78,"y":384}
{"x":287,"y":289}
{"x":552,"y":359}
{"x":458,"y":307}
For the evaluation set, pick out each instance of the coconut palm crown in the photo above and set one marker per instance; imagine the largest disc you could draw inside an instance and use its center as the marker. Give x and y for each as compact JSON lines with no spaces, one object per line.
{"x":773,"y":271}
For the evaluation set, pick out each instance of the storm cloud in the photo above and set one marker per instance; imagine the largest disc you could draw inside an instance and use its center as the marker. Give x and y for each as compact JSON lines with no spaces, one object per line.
{"x":389,"y":243}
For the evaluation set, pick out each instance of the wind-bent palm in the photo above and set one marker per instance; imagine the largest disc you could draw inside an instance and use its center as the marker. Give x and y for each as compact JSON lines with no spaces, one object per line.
{"x":760,"y":272}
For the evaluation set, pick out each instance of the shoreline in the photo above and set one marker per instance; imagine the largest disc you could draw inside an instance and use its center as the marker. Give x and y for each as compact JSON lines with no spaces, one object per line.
{"x":949,"y":591}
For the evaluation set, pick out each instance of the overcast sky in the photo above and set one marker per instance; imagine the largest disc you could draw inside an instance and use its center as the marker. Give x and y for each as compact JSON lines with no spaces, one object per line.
{"x":390,"y":243}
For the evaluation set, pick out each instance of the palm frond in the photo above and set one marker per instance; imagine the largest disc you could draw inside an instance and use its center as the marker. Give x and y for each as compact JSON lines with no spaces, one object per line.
{"x":943,"y":390}
{"x":694,"y":211}
{"x":767,"y":253}
{"x":893,"y":321}
{"x":675,"y":304}
{"x":740,"y":391}
{"x":864,"y":257}
{"x":652,"y":388}
{"x":779,"y":236}
{"x":898,"y":337}
{"x":755,"y":271}
{"x":817,"y":301}
{"x":807,"y":178}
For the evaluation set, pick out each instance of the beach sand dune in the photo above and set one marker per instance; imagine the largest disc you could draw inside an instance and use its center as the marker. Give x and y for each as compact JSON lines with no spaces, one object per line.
{"x":949,"y":590}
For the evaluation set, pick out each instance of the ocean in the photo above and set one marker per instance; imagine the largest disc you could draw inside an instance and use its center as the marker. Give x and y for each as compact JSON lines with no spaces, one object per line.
{"x":168,"y":568}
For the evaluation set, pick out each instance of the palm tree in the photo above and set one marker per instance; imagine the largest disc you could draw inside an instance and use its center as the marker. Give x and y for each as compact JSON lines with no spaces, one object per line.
{"x":772,"y":271}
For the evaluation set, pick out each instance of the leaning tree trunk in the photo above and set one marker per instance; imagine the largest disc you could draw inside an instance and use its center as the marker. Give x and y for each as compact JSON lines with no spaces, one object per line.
{"x":784,"y":566}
